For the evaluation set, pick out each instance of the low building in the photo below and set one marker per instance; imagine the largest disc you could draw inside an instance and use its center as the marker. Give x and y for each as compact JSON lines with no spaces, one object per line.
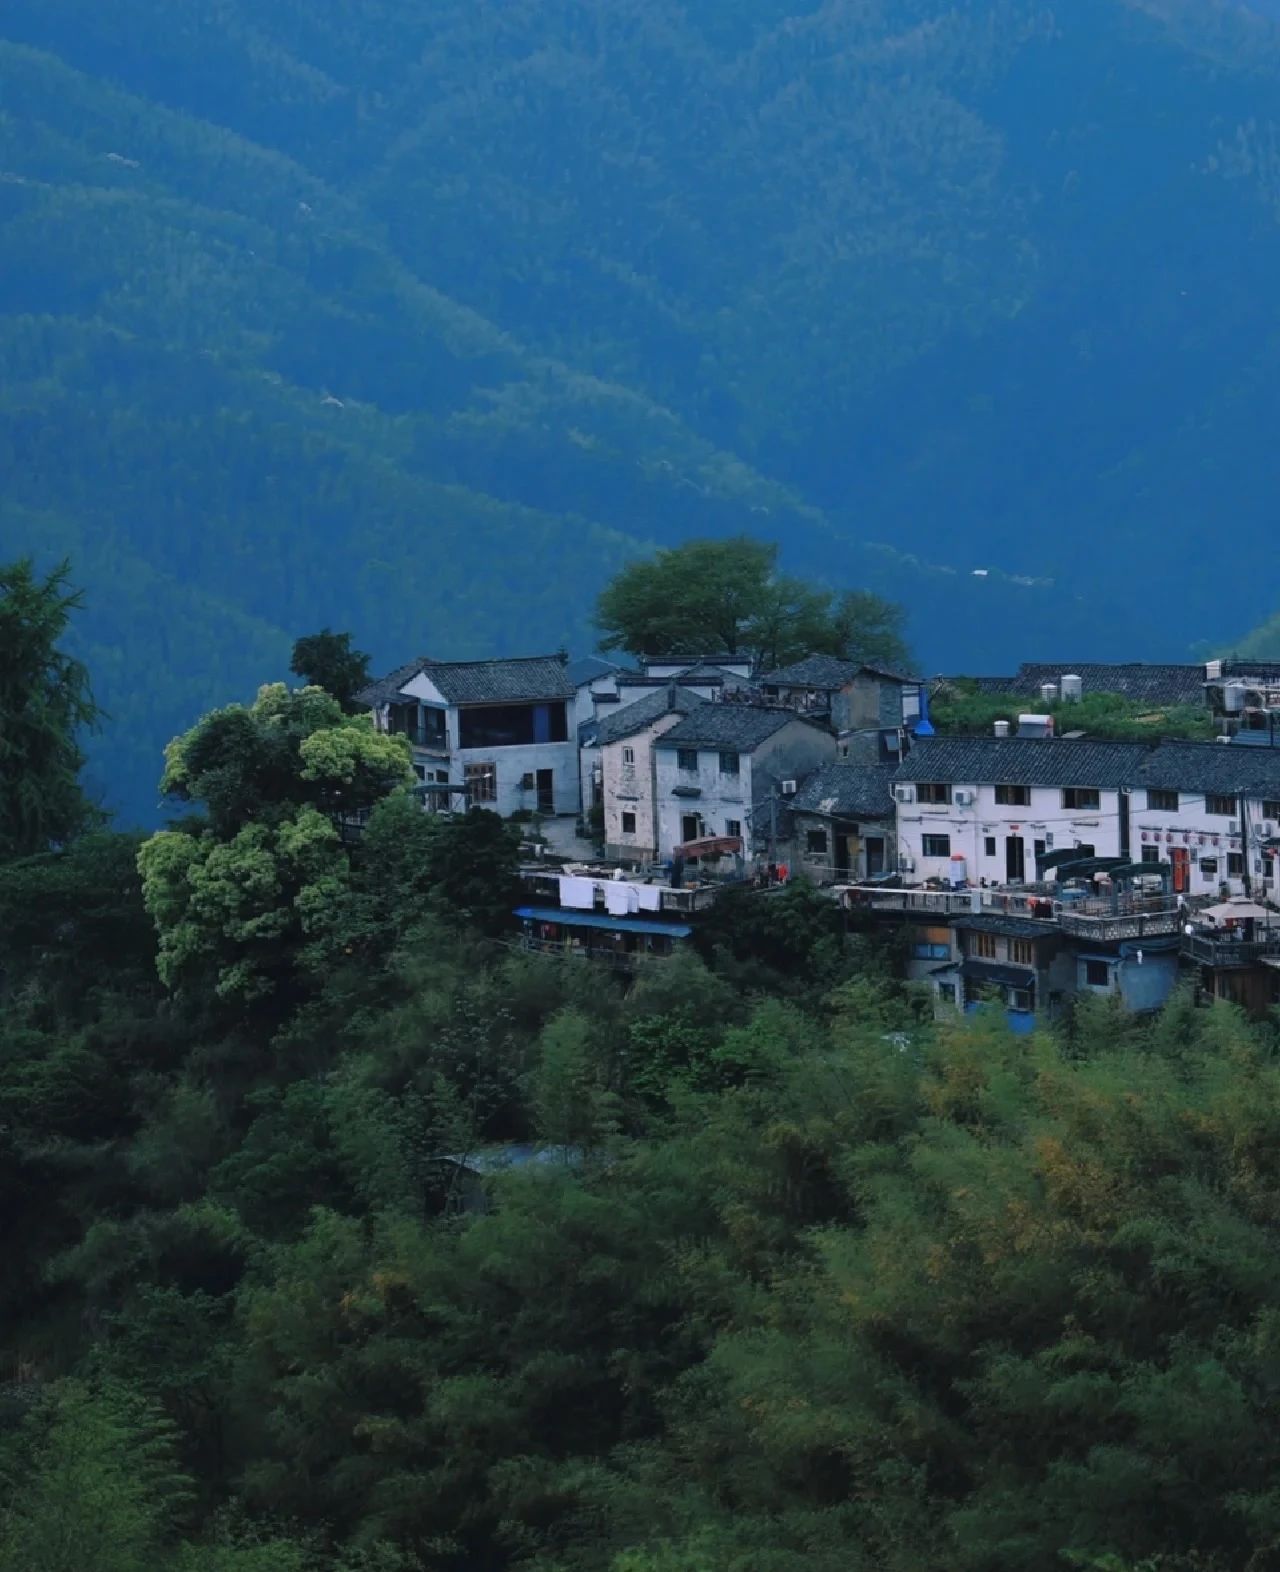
{"x":1023,"y":963}
{"x":730,"y":770}
{"x":845,"y":828}
{"x":499,"y":727}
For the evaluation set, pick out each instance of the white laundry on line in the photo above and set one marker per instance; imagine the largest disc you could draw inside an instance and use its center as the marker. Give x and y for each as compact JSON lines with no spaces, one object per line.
{"x":650,"y":898}
{"x":577,"y":894}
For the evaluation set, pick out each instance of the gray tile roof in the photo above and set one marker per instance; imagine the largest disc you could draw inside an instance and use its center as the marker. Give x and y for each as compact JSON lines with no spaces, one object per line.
{"x":1136,"y":680}
{"x":632,"y":719}
{"x":1023,"y":761}
{"x":524,"y":678}
{"x":826,"y":673}
{"x":385,"y":688}
{"x":1224,"y":769}
{"x":705,"y":674}
{"x":846,"y":789}
{"x":740,"y":727}
{"x":589,"y":667}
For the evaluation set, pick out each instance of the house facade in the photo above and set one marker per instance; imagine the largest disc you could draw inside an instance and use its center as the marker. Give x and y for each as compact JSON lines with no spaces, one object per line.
{"x":844,"y":816}
{"x":624,"y":754}
{"x":731,"y":770}
{"x":501,"y":729}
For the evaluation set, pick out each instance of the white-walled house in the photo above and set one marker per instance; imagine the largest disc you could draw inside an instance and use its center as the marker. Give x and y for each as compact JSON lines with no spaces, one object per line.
{"x":501,"y":728}
{"x":987,"y":809}
{"x":729,"y":769}
{"x":623,"y":753}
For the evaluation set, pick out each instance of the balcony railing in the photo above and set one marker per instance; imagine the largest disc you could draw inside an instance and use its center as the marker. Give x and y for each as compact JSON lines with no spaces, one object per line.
{"x":430,"y":739}
{"x":544,"y":884}
{"x":1105,"y":920}
{"x":601,"y":955}
{"x":1217,"y":950}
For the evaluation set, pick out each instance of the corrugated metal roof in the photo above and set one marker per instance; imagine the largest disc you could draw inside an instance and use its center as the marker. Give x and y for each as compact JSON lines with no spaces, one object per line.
{"x":568,"y":919}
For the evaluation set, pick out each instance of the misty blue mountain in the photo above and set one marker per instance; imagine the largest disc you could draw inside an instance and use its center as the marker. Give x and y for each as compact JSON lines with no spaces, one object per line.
{"x":420,"y":320}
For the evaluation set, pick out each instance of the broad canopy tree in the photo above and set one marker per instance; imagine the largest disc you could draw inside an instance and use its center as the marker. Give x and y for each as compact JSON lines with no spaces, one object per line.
{"x":326,"y":660}
{"x":253,"y":893}
{"x":728,"y":597}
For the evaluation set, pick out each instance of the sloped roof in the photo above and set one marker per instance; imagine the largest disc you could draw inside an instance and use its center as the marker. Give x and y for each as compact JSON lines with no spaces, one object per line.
{"x":706,"y":674}
{"x":589,"y":667}
{"x":1024,"y":761}
{"x":846,"y":789}
{"x":740,"y":727}
{"x":1223,"y":769}
{"x":826,"y":673}
{"x":635,"y":718}
{"x":1010,"y":927}
{"x":522,"y":678}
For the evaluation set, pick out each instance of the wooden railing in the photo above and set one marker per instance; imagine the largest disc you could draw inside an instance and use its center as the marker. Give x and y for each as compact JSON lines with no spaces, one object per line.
{"x":1212,"y":949}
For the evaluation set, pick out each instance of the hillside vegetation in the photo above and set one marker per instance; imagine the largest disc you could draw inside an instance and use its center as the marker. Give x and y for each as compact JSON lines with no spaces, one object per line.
{"x":422,"y":320}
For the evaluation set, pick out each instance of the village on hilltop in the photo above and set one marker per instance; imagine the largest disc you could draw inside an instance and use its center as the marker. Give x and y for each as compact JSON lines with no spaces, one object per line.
{"x":1030,"y":864}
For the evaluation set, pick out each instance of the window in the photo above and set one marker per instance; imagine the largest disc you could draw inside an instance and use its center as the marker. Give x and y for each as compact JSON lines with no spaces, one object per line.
{"x":628,"y":755}
{"x":442,"y":777}
{"x":628,"y":824}
{"x":1235,"y":865}
{"x":1020,"y":999}
{"x":512,"y":725}
{"x":483,"y":781}
{"x":1080,"y":797}
{"x":1208,"y":867}
{"x":1151,"y":854}
{"x":989,"y":846}
{"x":983,"y":945}
{"x":816,"y":842}
{"x":935,"y":845}
{"x":728,"y":764}
{"x":947,"y":992}
{"x":420,"y":770}
{"x":1013,"y":796}
{"x":687,"y":759}
{"x":733,"y":827}
{"x":1271,"y":809}
{"x":1022,"y":952}
{"x":933,"y":791}
{"x":1165,"y":801}
{"x":1224,"y":807}
{"x":932,"y":952}
{"x":1097,"y":974}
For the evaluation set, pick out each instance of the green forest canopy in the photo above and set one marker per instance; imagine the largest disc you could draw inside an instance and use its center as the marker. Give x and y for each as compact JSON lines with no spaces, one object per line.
{"x":810,"y":1281}
{"x":423,"y":321}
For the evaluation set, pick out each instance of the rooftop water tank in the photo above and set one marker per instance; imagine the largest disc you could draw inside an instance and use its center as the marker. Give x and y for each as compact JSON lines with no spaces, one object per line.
{"x":1072,"y":688}
{"x":1049,"y":692}
{"x":1233,"y":697}
{"x":1001,"y":728}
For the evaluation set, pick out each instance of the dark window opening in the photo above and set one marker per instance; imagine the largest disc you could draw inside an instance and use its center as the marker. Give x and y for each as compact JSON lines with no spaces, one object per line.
{"x":628,"y":824}
{"x":512,"y":725}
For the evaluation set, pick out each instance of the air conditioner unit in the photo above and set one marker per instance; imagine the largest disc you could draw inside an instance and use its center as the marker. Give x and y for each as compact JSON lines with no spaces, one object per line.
{"x":1233,"y":827}
{"x":1268,"y":830}
{"x":904,"y":794}
{"x":962,"y":797}
{"x":906,"y":863}
{"x":790,"y":788}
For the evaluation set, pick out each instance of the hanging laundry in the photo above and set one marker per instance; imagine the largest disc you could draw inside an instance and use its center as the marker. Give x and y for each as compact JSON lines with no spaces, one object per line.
{"x":577,"y":894}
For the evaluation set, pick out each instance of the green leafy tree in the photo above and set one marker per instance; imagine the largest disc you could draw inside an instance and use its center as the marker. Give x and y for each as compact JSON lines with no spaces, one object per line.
{"x":326,"y":660}
{"x":45,"y":706}
{"x":252,"y":898}
{"x":727,"y":596}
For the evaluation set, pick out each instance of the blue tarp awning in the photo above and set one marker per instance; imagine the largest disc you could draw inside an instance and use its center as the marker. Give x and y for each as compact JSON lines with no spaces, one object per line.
{"x":603,"y":922}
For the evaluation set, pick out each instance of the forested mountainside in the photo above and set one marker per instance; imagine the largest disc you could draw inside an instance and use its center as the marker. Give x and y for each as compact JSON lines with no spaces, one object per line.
{"x":418,"y":320}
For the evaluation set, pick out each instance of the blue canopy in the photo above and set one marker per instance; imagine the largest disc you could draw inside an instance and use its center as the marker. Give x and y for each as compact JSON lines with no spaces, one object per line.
{"x":601,"y":920}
